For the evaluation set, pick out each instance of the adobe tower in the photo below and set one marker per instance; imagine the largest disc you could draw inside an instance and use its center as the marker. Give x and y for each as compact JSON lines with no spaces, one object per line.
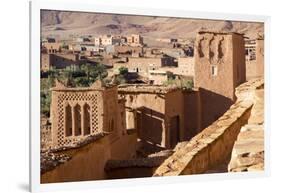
{"x":219,"y":69}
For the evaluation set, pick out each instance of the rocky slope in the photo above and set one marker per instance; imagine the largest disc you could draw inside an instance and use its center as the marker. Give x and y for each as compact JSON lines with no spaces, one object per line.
{"x":65,"y":23}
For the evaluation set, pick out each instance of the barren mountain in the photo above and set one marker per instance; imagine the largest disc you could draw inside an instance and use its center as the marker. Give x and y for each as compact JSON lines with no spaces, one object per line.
{"x":64,"y":24}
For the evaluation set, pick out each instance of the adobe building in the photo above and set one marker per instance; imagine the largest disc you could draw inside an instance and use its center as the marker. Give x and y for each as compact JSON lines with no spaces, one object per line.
{"x":88,"y":129}
{"x":79,"y":112}
{"x":250,"y":49}
{"x":157,"y":77}
{"x":185,"y":66}
{"x":59,"y":60}
{"x":125,"y":49}
{"x":142,"y":65}
{"x":135,"y":40}
{"x":219,"y":69}
{"x":162,"y":116}
{"x":52,"y":47}
{"x":254,"y":58}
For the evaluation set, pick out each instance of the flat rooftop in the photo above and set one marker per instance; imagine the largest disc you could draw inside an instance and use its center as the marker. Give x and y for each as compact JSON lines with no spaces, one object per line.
{"x":220,"y":32}
{"x":146,"y":88}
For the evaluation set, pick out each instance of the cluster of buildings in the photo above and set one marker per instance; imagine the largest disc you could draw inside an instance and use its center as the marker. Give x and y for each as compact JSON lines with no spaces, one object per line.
{"x":105,"y":123}
{"x":153,"y":65}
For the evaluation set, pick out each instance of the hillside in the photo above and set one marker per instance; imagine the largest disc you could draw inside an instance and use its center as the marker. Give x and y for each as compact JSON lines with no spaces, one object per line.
{"x":64,"y":24}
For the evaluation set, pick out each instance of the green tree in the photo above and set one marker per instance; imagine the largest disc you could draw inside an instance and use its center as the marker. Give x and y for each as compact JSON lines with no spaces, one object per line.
{"x":123,"y":71}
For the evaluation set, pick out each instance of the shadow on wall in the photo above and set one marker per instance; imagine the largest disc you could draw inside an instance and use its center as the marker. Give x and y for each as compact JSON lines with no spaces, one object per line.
{"x":213,"y":106}
{"x":150,"y":127}
{"x":191,"y":115}
{"x":61,"y":61}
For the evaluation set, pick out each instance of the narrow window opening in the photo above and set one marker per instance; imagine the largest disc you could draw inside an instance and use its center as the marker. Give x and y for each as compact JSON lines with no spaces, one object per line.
{"x":87,"y":127}
{"x":68,"y":121}
{"x":214,"y":70}
{"x":77,"y":114}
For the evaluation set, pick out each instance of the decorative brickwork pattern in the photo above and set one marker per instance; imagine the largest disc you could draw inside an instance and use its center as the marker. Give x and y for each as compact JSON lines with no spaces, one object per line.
{"x":74,"y":99}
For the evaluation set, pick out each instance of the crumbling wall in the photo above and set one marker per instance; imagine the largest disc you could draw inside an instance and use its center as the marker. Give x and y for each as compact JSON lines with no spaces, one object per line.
{"x":214,"y":144}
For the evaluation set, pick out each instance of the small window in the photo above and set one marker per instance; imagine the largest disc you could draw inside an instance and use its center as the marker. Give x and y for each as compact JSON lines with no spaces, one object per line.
{"x":111,"y":125}
{"x":214,"y":70}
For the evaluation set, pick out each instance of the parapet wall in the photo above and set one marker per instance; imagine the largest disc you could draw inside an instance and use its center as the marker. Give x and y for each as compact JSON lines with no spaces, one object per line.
{"x":87,"y":160}
{"x":214,"y":144}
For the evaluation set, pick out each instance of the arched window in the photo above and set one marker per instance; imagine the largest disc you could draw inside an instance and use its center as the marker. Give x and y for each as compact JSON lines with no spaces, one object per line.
{"x":87,"y":128}
{"x":77,"y":115}
{"x":68,"y":121}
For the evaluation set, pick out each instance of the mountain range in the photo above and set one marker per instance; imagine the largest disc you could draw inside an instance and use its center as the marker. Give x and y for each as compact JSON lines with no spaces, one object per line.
{"x":64,"y":24}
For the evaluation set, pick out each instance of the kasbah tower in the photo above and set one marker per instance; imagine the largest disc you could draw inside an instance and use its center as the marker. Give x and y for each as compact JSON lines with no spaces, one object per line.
{"x":219,"y":69}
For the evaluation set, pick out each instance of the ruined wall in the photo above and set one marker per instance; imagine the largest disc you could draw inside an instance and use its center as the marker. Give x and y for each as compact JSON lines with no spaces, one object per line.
{"x":145,"y":112}
{"x":154,"y":114}
{"x":214,"y":144}
{"x":219,"y":68}
{"x":162,"y":119}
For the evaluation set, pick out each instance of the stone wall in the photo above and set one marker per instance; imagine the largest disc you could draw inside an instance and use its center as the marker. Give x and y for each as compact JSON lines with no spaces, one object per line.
{"x":214,"y":144}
